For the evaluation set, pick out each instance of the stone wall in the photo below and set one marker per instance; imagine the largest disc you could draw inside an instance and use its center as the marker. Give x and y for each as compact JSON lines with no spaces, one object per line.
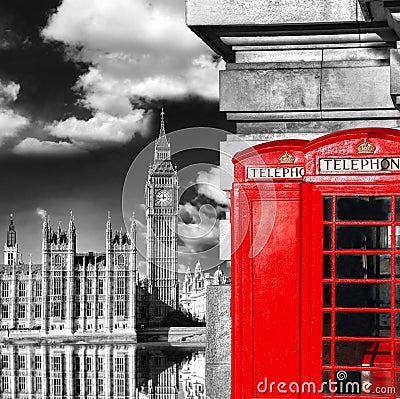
{"x":218,"y":349}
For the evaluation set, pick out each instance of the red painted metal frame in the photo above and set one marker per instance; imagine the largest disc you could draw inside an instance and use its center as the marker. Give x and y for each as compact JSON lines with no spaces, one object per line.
{"x":298,"y":344}
{"x":315,"y":299}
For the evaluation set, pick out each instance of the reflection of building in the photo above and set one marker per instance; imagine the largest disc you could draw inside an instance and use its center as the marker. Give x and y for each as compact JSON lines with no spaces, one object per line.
{"x":70,"y":292}
{"x":162,"y":220}
{"x":157,"y":376}
{"x":162,"y":371}
{"x":95,"y":371}
{"x":192,"y":376}
{"x":194,"y":289}
{"x":72,"y":371}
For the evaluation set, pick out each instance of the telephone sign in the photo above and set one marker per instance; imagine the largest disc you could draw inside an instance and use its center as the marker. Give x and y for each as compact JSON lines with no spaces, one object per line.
{"x":358,"y":165}
{"x":316,"y":267}
{"x":274,"y":173}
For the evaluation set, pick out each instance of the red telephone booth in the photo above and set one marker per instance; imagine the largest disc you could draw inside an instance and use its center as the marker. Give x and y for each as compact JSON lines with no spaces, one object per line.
{"x":316,"y":267}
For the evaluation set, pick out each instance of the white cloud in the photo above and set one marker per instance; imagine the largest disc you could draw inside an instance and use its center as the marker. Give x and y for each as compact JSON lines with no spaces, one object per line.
{"x":8,"y":91}
{"x":200,"y":78}
{"x":41,"y":213}
{"x":121,"y":26}
{"x":136,"y":49}
{"x":102,"y":129}
{"x":182,"y":268}
{"x":34,"y":147}
{"x":11,"y":123}
{"x":209,"y":185}
{"x":199,"y":237}
{"x":199,"y":224}
{"x":199,"y":228}
{"x":105,"y":95}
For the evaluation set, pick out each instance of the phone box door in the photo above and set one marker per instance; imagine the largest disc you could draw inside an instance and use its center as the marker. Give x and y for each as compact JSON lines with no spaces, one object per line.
{"x":266,"y":270}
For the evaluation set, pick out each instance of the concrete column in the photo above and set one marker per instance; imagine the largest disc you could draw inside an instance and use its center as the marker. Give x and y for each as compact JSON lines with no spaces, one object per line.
{"x":108,"y":295}
{"x":69,"y":376}
{"x":45,"y":294}
{"x":69,"y":301}
{"x":94,"y":380}
{"x":45,"y":365}
{"x":132,"y":291}
{"x":107,"y":371}
{"x":13,"y":298}
{"x":95,"y":319}
{"x":82,"y":371}
{"x":82,"y":296}
{"x":13,"y":372}
{"x":218,"y":351}
{"x":29,"y":293}
{"x":132,"y":371}
{"x":29,"y":361}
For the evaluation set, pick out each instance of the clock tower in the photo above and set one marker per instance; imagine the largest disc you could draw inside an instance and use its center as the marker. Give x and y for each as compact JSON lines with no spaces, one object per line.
{"x":162,"y":224}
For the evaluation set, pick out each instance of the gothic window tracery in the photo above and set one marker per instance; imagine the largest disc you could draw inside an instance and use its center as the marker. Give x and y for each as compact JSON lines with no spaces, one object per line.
{"x":58,"y":260}
{"x":4,"y":289}
{"x":121,"y":260}
{"x":21,"y":289}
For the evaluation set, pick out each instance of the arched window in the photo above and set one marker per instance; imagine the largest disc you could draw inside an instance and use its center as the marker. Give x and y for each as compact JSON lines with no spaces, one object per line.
{"x":121,"y":260}
{"x":4,"y":289}
{"x":21,"y":289}
{"x":57,"y":260}
{"x":57,"y":287}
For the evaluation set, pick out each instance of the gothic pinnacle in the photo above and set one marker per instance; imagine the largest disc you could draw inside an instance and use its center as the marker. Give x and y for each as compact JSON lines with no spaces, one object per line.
{"x":71,"y":225}
{"x":162,"y":126}
{"x":133,"y":221}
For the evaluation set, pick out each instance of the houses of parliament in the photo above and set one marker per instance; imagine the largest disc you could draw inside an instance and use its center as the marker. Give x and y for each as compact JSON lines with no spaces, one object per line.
{"x":72,"y":293}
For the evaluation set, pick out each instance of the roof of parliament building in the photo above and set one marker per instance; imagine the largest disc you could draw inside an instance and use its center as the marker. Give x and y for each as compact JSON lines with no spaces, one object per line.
{"x":59,"y":238}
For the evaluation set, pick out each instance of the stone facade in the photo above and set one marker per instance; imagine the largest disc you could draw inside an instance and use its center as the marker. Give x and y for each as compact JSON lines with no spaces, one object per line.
{"x":193,"y":297}
{"x":218,"y":350}
{"x":70,"y":292}
{"x":162,"y":227}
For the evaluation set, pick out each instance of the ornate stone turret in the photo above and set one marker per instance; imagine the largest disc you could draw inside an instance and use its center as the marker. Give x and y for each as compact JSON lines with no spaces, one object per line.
{"x":198,"y":270}
{"x":11,"y":252}
{"x":219,"y":277}
{"x":58,"y":260}
{"x":11,"y":234}
{"x":120,"y":271}
{"x":162,"y":151}
{"x":71,"y":233}
{"x":108,"y":231}
{"x":162,"y":220}
{"x":187,"y":283}
{"x":45,"y":232}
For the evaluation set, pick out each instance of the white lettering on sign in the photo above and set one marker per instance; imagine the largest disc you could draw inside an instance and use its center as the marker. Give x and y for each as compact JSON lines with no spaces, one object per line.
{"x":358,"y":165}
{"x":263,"y":173}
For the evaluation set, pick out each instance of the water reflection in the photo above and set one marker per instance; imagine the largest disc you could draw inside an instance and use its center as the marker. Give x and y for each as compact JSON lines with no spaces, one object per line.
{"x":101,"y":371}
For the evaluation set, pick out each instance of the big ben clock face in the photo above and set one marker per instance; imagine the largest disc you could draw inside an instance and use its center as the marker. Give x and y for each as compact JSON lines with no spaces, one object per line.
{"x":163,"y":197}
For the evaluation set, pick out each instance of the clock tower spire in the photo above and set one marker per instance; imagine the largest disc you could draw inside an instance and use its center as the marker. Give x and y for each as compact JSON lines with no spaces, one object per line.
{"x":162,"y":223}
